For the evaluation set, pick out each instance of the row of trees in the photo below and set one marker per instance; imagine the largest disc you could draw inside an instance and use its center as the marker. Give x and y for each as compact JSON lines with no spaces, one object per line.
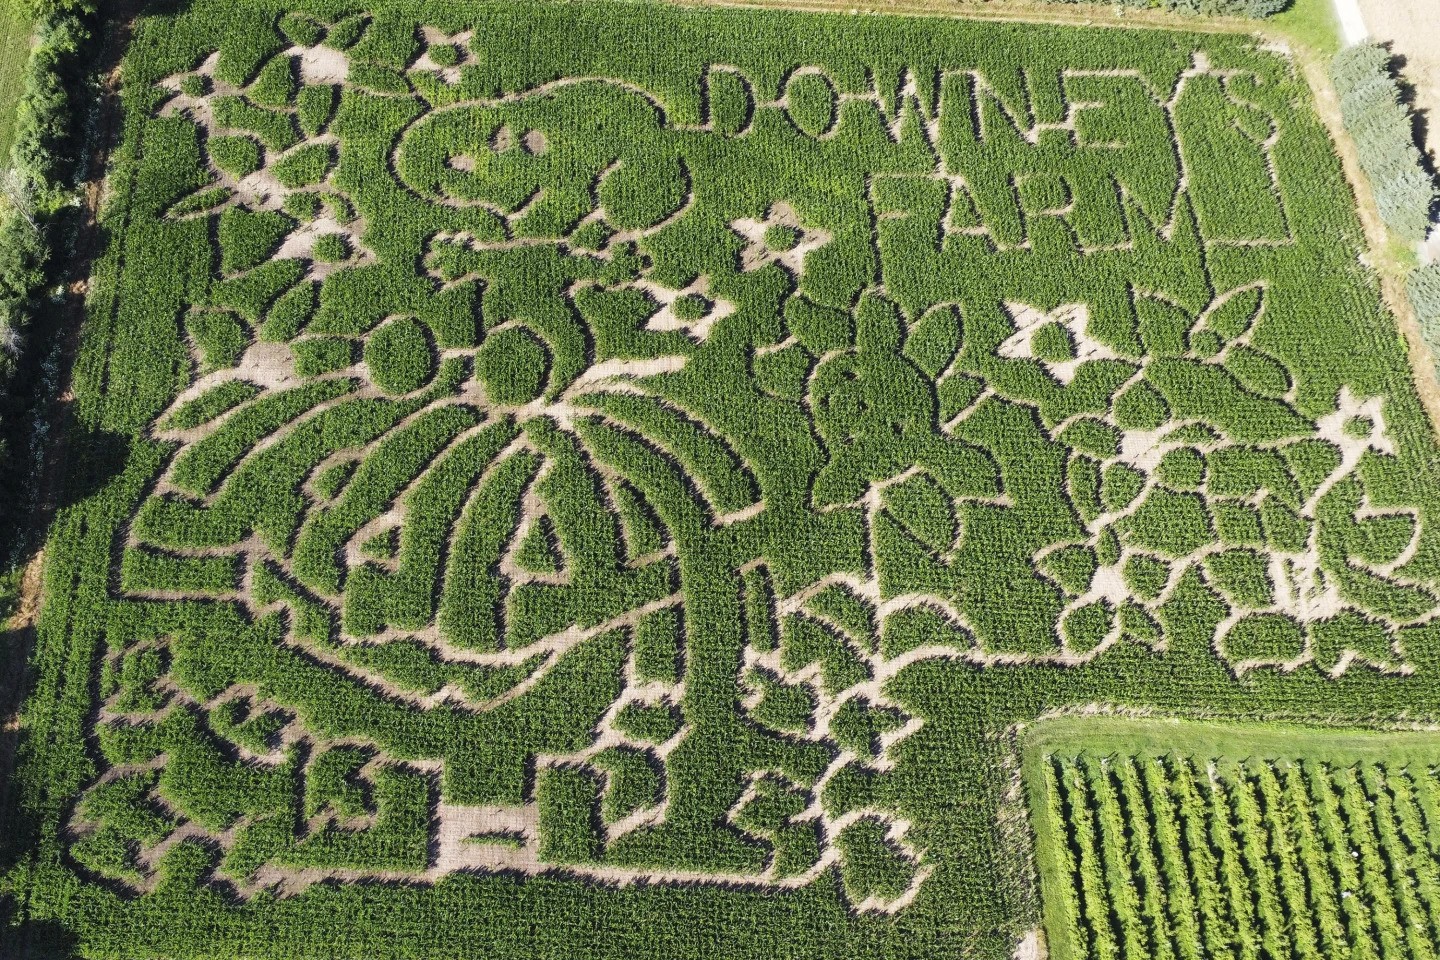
{"x":1383,"y":130}
{"x":1405,"y":188}
{"x":35,"y":189}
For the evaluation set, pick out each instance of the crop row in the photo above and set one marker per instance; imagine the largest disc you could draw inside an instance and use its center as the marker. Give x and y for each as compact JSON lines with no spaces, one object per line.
{"x":1173,"y":856}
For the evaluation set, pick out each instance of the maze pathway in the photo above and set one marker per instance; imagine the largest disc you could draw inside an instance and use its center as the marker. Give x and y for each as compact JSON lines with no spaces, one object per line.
{"x":681,"y":471}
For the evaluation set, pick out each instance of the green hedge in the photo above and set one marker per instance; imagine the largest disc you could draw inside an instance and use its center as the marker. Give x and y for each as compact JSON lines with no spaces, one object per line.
{"x":36,"y":193}
{"x":1384,"y":133}
{"x":1405,"y":189}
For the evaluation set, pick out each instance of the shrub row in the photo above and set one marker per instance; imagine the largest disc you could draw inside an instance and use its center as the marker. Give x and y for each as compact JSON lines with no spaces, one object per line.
{"x":1384,"y":133}
{"x":1405,"y":188}
{"x":35,"y":192}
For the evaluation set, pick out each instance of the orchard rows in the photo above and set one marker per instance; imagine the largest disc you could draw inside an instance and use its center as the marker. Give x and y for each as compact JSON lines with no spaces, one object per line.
{"x":1185,"y":857}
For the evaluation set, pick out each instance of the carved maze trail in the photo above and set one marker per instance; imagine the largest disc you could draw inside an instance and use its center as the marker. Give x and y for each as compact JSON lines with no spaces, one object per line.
{"x":607,"y":479}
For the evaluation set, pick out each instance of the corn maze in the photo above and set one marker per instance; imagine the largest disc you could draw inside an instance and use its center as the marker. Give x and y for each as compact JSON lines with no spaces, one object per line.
{"x":602,"y":481}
